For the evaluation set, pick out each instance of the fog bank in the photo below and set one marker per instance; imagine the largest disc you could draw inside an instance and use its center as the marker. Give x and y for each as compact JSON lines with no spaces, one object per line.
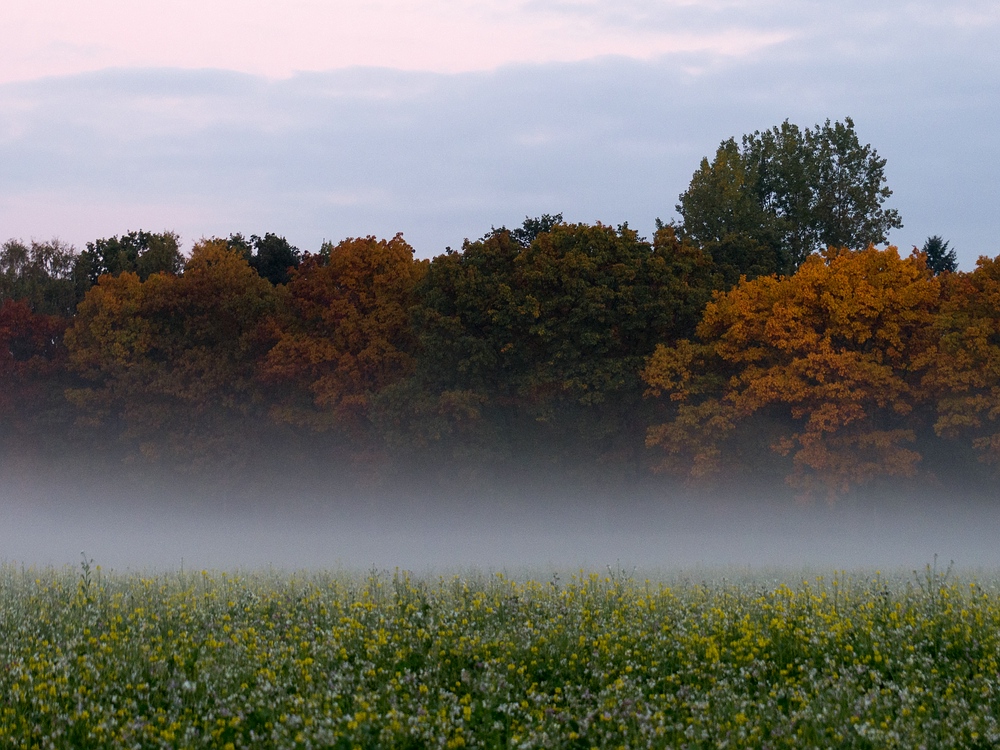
{"x":159,"y":525}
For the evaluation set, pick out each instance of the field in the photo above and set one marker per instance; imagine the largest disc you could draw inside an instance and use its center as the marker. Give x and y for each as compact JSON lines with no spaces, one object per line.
{"x":265,"y":659}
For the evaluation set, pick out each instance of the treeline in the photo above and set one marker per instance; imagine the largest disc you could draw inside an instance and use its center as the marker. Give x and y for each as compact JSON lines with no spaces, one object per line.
{"x":526,"y":345}
{"x":746,"y":344}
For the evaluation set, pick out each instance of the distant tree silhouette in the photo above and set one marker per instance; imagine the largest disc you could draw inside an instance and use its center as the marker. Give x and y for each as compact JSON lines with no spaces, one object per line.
{"x":525,"y":234}
{"x":939,"y":257}
{"x":270,"y":256}
{"x":531,"y":228}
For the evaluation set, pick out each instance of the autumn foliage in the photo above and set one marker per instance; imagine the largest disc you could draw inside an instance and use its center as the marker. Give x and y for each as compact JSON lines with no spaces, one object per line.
{"x":561,"y":345}
{"x":964,"y":371}
{"x":168,"y":364}
{"x":344,"y":334}
{"x":834,"y":358}
{"x":32,"y":371}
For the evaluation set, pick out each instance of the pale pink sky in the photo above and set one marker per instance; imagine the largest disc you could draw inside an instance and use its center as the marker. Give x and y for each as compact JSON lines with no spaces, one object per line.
{"x":276,"y":38}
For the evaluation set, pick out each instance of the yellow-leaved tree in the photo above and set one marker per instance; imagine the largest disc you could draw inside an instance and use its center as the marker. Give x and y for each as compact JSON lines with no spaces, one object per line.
{"x":965,"y":369}
{"x":168,"y":364}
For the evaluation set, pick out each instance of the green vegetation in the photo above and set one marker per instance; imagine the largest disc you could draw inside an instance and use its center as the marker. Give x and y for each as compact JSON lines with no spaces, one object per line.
{"x":196,"y":659}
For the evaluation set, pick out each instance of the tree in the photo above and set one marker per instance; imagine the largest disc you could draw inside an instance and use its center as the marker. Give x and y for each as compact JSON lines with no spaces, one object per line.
{"x":525,"y":234}
{"x":594,"y":302}
{"x":722,"y":213}
{"x":786,"y":193}
{"x":345,"y":335}
{"x":142,"y":253}
{"x":271,"y":256}
{"x":539,"y":347}
{"x":458,"y":397}
{"x":43,"y":274}
{"x":847,"y":191}
{"x":32,"y":371}
{"x":965,"y":368}
{"x":829,"y":360}
{"x":939,"y":258}
{"x":169,"y":362}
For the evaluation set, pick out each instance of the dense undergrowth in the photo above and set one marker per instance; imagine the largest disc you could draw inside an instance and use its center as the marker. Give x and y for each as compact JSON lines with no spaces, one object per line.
{"x":268,"y":659}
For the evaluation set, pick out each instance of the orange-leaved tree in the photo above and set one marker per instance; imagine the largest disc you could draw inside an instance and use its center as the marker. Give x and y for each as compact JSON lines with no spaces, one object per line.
{"x":828,"y":360}
{"x":344,"y":334}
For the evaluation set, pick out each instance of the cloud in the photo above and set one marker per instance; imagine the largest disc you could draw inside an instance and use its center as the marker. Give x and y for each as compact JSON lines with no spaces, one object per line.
{"x":329,"y":154}
{"x":276,"y":39}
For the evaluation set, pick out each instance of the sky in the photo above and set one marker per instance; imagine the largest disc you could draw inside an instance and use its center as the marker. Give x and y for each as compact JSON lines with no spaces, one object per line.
{"x":440,"y":119}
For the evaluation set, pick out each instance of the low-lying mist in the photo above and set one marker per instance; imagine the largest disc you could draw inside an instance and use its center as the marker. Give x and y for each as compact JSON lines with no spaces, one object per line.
{"x":156,"y":523}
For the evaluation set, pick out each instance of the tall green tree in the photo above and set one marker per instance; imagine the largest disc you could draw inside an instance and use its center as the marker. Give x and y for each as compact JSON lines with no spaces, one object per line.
{"x":723,"y":214}
{"x":785,"y":193}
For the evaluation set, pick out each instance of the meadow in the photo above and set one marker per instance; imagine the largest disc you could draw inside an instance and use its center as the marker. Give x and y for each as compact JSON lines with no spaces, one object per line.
{"x":260,"y":659}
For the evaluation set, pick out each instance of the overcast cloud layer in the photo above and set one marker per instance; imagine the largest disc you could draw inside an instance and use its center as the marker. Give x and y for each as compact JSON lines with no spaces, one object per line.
{"x":440,"y":143}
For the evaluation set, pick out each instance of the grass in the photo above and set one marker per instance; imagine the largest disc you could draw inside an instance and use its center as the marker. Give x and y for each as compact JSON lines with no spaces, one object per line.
{"x":328,"y":660}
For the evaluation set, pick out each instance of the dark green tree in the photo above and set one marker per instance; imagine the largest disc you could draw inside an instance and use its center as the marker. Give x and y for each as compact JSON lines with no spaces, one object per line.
{"x":539,"y":348}
{"x":142,"y":253}
{"x":849,"y":190}
{"x":722,"y":213}
{"x":525,"y":234}
{"x":939,"y":258}
{"x":271,"y":256}
{"x":766,"y":205}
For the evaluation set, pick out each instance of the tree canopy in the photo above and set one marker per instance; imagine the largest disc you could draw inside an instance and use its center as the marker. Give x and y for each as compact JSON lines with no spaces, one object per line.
{"x":542,"y":343}
{"x":168,"y":363}
{"x":45,"y":275}
{"x":345,"y":334}
{"x":142,"y":253}
{"x":32,"y":374}
{"x":965,"y":369}
{"x":765,"y":205}
{"x":834,"y":355}
{"x":271,"y":256}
